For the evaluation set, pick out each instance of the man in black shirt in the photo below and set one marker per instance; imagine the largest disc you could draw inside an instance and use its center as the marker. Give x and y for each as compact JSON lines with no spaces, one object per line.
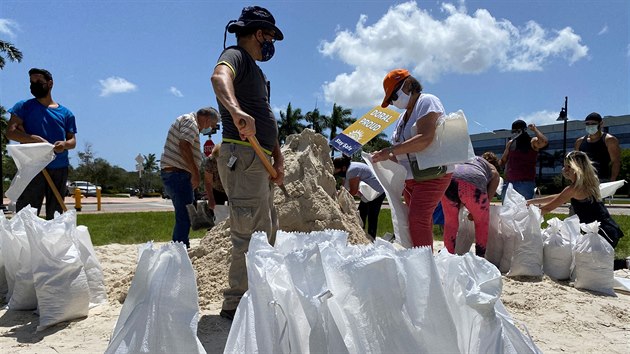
{"x":602,"y":148}
{"x":242,"y":91}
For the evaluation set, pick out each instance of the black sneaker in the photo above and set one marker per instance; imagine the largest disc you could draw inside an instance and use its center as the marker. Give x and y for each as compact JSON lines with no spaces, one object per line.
{"x":228,"y":314}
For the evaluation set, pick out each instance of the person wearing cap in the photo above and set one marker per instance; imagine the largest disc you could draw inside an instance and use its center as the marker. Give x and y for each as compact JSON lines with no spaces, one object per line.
{"x":601,"y":147}
{"x":414,"y":132}
{"x":180,"y":162}
{"x":519,"y":158}
{"x":42,"y":120}
{"x":242,"y":92}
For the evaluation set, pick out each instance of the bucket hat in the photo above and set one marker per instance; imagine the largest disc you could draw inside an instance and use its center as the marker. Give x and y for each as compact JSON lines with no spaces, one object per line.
{"x":255,"y":17}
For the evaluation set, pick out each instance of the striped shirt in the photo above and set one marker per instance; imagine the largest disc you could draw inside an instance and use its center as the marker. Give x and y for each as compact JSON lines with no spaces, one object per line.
{"x":184,"y":128}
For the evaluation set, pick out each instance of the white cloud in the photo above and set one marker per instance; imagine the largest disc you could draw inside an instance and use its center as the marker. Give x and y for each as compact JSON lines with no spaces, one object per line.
{"x":176,"y":92}
{"x":603,"y":30}
{"x":7,"y":26}
{"x":543,"y":117}
{"x":115,"y":84}
{"x":410,"y":37}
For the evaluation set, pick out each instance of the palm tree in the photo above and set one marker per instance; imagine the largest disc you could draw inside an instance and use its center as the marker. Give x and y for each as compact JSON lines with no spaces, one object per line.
{"x":339,"y":118}
{"x":11,"y":52}
{"x":150,"y":163}
{"x":289,"y":123}
{"x":317,"y":121}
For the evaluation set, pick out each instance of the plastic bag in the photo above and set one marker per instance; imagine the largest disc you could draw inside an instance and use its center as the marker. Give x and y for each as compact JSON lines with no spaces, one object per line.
{"x":557,"y":250}
{"x":161,"y":312}
{"x":30,"y":159}
{"x":473,"y":289}
{"x":93,"y":269}
{"x":465,"y":233}
{"x":527,"y":259}
{"x":391,"y":176}
{"x":450,"y":145}
{"x":17,"y":257}
{"x":594,"y":259}
{"x":60,"y":282}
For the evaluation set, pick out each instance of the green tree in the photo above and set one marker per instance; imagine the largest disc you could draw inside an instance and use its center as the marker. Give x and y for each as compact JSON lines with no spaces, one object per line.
{"x":316,"y":121}
{"x":10,"y":51}
{"x":339,"y":118}
{"x":289,"y":123}
{"x":377,"y":143}
{"x":624,"y":172}
{"x":86,"y":171}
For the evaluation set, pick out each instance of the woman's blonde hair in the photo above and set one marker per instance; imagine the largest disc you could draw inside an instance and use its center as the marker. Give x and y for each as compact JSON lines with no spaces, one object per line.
{"x":585,"y":174}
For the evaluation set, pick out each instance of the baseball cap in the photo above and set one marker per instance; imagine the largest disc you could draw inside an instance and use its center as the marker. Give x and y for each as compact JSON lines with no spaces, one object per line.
{"x":519,"y":124}
{"x":392,"y":79}
{"x":593,"y":116}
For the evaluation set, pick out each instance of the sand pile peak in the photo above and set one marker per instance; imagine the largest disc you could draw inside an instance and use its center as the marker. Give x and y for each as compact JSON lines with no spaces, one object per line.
{"x":313,"y":204}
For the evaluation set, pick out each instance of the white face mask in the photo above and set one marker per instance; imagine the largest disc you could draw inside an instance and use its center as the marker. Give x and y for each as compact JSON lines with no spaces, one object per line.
{"x":402,"y":101}
{"x":592,"y":129}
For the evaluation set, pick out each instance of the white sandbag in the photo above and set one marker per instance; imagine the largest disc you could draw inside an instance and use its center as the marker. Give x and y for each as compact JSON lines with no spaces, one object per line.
{"x":557,"y":250}
{"x":30,"y":159}
{"x":161,"y":311}
{"x":494,"y":245}
{"x":221,"y":212}
{"x":4,"y":283}
{"x":594,"y":259}
{"x":466,"y":232}
{"x":451,"y":143}
{"x":405,"y":313}
{"x":93,"y":269}
{"x":60,"y":282}
{"x":473,"y":287}
{"x":276,"y":318}
{"x":19,"y":272}
{"x":513,"y":214}
{"x":609,"y":188}
{"x":391,"y":176}
{"x":368,"y":193}
{"x":527,"y":259}
{"x":288,"y":242}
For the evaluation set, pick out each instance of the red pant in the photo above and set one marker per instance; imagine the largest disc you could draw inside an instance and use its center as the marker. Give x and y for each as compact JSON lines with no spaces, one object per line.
{"x":478,"y":204}
{"x":422,"y":198}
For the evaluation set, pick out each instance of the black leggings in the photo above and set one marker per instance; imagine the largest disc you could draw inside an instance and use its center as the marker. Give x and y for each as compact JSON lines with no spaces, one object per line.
{"x":369,"y":214}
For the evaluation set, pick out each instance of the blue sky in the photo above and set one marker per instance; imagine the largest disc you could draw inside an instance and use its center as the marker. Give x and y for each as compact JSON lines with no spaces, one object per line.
{"x":127,"y":69}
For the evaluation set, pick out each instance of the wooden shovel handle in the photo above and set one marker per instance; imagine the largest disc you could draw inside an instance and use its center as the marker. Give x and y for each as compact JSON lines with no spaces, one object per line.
{"x":260,"y":153}
{"x":55,"y":190}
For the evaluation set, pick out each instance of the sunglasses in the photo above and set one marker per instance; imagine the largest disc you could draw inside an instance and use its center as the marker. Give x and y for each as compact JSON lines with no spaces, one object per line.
{"x":272,"y":35}
{"x":591,"y":124}
{"x":394,"y":96}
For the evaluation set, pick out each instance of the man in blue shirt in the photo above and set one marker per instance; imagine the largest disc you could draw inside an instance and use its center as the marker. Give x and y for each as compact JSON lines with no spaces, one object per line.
{"x":42,"y":120}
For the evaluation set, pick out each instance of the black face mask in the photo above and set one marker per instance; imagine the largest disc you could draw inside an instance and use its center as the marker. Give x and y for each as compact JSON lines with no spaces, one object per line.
{"x":39,"y":90}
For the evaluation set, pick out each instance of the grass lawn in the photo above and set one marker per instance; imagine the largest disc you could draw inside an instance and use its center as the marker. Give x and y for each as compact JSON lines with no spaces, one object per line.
{"x":622,"y":250}
{"x":131,"y":228}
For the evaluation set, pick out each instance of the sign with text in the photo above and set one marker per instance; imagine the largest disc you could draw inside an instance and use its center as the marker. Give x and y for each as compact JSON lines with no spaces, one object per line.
{"x":364,"y":130}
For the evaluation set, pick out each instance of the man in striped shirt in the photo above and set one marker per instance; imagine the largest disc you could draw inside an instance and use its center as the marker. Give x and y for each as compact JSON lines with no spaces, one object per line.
{"x":180,"y":162}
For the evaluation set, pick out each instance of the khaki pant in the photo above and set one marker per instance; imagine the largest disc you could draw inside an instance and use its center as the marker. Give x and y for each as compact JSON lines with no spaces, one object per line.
{"x":250,"y":195}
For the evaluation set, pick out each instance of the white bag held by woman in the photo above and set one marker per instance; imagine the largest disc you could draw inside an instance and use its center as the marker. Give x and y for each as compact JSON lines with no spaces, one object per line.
{"x":450,"y":145}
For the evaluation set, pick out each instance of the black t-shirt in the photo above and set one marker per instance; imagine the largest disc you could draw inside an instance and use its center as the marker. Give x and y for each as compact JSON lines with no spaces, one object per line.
{"x":252,"y":92}
{"x":598,"y":153}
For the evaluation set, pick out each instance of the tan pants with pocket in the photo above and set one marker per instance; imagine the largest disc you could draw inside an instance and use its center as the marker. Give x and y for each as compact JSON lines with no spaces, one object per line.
{"x":250,"y":195}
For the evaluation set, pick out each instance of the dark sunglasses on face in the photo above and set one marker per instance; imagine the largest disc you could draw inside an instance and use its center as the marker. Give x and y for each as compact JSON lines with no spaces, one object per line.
{"x":394,"y":96}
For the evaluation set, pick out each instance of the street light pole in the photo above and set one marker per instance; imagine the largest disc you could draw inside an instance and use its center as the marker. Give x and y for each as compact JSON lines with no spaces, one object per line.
{"x":563,"y":116}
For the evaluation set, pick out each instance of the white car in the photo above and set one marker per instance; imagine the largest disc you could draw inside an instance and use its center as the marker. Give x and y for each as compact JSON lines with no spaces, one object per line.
{"x":87,"y":188}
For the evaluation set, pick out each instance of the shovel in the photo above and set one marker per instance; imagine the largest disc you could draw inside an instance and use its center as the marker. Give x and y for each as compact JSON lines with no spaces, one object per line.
{"x":261,"y":155}
{"x":199,"y":217}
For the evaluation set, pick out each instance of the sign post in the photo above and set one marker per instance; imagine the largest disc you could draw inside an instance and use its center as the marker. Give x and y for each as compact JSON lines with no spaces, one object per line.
{"x":364,"y":130}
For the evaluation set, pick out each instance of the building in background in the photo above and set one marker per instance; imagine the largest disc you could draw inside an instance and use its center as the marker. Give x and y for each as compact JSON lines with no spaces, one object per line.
{"x":551,"y":158}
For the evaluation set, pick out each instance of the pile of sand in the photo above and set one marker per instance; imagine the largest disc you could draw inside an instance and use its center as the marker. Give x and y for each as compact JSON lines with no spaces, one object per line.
{"x":313,"y":204}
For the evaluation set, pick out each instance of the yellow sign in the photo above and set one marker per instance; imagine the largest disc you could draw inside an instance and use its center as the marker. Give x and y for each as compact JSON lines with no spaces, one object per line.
{"x":364,"y":129}
{"x":371,"y":124}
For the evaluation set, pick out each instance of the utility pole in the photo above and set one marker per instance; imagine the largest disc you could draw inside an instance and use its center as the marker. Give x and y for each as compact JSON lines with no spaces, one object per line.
{"x":563,"y":116}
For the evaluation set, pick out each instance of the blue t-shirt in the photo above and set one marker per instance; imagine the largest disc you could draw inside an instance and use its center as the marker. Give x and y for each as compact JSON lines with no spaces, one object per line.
{"x":51,"y":124}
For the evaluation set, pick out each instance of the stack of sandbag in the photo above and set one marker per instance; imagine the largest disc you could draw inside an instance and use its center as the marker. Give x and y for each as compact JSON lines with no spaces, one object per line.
{"x":51,"y":266}
{"x":473,"y":289}
{"x":520,"y":228}
{"x":314,"y":293}
{"x":558,"y":241}
{"x":161,"y":311}
{"x":594,"y":258}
